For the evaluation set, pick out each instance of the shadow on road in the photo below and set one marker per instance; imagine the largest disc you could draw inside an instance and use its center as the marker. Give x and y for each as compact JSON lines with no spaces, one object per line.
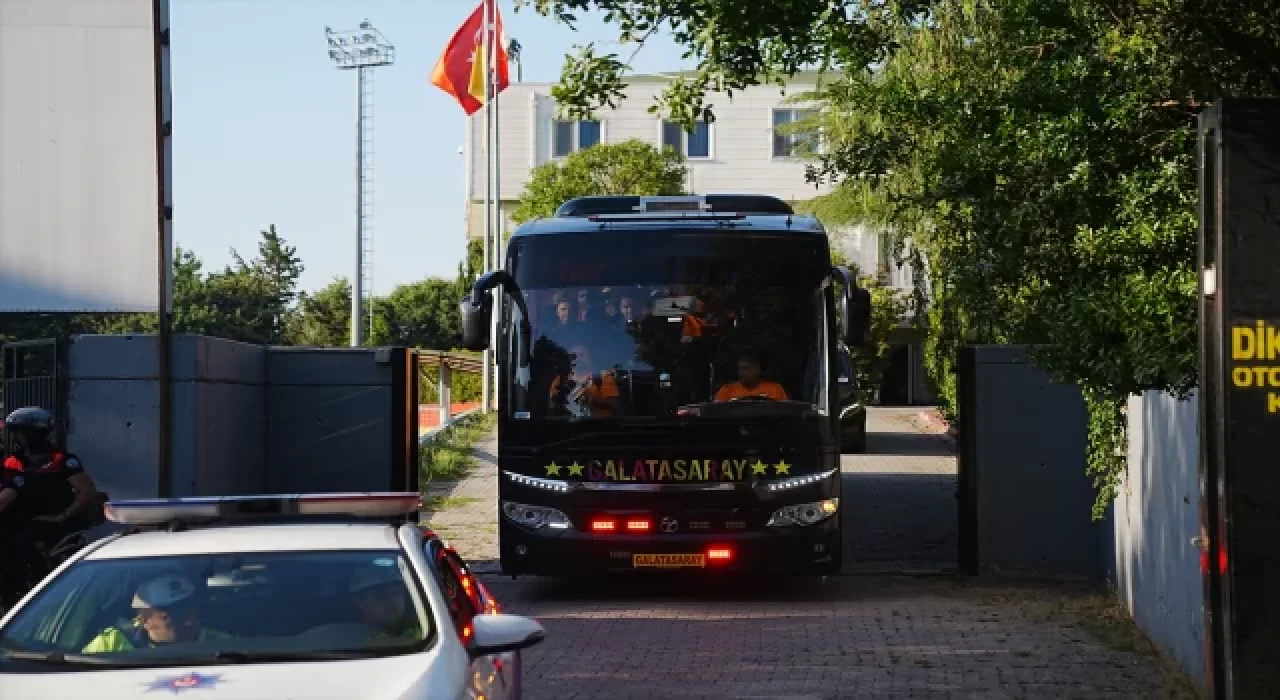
{"x":900,"y":523}
{"x":909,"y":444}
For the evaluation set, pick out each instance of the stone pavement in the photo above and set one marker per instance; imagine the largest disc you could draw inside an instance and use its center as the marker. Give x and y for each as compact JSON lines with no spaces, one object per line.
{"x":467,"y":511}
{"x":870,"y":635}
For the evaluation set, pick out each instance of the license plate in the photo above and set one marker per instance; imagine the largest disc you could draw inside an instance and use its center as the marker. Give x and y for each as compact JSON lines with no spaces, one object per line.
{"x":668,"y":561}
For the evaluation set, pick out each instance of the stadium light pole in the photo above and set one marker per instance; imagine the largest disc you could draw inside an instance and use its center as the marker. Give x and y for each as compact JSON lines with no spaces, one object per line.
{"x":362,"y":50}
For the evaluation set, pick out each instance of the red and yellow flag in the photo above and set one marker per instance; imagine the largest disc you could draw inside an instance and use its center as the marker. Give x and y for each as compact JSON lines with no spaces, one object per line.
{"x":461,"y":70}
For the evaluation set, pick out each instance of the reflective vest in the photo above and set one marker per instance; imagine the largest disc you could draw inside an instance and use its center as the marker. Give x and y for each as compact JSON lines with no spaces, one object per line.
{"x":116,"y":639}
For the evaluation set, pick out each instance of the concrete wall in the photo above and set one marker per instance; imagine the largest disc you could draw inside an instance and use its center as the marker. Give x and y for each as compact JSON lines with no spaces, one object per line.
{"x":246,"y":418}
{"x":1156,"y":515}
{"x":113,"y":414}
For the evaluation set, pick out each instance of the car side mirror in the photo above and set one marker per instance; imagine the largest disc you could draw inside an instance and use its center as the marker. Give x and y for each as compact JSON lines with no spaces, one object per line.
{"x":498,"y":633}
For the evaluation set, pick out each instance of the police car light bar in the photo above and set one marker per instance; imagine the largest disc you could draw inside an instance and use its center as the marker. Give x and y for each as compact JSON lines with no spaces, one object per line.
{"x":356,"y":505}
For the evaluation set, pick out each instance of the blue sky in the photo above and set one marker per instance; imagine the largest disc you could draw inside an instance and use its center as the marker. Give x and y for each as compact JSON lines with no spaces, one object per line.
{"x":264,"y":129}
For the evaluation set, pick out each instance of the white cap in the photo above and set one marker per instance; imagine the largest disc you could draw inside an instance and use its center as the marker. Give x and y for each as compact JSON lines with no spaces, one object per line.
{"x":364,"y":579}
{"x":163,"y":592}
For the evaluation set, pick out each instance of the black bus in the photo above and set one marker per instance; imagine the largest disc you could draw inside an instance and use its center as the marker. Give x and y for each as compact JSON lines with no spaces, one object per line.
{"x":668,"y":386}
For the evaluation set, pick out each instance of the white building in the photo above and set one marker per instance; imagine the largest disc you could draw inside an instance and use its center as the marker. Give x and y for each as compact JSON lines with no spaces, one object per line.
{"x":740,"y":152}
{"x":743,"y":151}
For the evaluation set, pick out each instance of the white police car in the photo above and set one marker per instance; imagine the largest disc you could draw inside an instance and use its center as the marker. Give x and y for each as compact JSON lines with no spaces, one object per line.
{"x":324,"y":596}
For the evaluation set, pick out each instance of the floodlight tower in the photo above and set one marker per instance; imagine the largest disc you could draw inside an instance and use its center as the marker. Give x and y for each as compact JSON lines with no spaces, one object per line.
{"x":362,"y":49}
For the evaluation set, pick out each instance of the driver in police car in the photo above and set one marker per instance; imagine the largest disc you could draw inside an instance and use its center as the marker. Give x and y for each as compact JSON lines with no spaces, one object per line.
{"x":168,"y":611}
{"x":750,"y":383}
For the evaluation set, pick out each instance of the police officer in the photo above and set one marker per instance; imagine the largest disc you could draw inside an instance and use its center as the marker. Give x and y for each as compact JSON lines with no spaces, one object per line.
{"x":380,"y":596}
{"x":44,"y":492}
{"x":167,"y":610}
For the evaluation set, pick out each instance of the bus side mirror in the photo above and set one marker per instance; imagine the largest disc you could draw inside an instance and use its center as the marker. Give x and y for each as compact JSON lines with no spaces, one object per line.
{"x":477,"y":311}
{"x":854,"y":309}
{"x":477,"y":314}
{"x":475,"y":322}
{"x":845,"y":377}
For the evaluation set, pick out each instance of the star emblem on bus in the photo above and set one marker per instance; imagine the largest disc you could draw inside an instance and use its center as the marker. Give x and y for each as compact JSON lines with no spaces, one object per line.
{"x":759,"y":468}
{"x":575,"y":469}
{"x":782,"y":467}
{"x":553,"y":469}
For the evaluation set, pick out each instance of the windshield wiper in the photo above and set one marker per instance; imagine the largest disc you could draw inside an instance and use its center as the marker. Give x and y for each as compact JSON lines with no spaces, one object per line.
{"x":58,"y":657}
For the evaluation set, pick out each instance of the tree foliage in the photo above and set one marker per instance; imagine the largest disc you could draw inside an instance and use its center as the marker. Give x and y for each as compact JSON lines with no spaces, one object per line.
{"x":258,"y":301}
{"x":628,"y":167}
{"x":1039,"y":154}
{"x":734,"y":44}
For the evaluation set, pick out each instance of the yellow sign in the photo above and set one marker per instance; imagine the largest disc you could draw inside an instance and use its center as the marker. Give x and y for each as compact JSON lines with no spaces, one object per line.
{"x":668,"y":470}
{"x":1255,"y":359}
{"x":668,"y":561}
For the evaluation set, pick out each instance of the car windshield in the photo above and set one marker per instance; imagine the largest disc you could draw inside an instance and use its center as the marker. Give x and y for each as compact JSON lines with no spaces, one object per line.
{"x":649,"y":323}
{"x":233,"y":607}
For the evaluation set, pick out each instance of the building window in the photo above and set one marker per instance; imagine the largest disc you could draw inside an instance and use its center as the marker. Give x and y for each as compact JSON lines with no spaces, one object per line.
{"x":787,"y":142}
{"x":690,"y":144}
{"x":570,"y":136}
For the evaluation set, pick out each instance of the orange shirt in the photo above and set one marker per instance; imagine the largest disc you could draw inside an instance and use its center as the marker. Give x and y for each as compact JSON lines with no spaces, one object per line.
{"x":598,"y":393}
{"x":764,"y":388}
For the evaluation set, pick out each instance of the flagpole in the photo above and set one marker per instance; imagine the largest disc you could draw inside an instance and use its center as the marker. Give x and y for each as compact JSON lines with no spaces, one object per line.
{"x":492,"y":70}
{"x":485,"y":389}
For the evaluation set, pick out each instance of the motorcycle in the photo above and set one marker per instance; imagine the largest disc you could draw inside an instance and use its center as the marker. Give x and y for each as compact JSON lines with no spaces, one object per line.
{"x":26,"y":569}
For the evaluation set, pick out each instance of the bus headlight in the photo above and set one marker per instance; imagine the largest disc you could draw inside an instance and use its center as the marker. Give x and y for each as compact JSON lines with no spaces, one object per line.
{"x":535,"y":517}
{"x":803,"y":514}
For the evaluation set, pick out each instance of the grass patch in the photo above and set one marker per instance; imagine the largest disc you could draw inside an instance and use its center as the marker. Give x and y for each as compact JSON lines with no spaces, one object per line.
{"x":447,"y":456}
{"x":440,"y":503}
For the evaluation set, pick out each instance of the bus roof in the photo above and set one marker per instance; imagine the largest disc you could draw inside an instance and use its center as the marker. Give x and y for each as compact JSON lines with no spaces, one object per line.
{"x":631,"y":204}
{"x":744,"y":213}
{"x":773,"y":223}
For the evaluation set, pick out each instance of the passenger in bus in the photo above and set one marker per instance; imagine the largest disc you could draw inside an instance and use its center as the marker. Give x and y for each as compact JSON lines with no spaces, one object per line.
{"x":610,"y":308}
{"x":560,"y":303}
{"x":584,"y":392}
{"x":626,"y":308}
{"x":751,"y":383}
{"x":583,"y":308}
{"x":561,"y":327}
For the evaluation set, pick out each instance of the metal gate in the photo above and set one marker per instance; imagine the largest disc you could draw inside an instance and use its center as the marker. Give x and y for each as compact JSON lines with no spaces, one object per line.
{"x":33,"y":376}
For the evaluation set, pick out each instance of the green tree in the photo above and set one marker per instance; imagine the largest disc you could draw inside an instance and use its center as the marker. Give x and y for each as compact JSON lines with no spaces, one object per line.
{"x":323,"y":318}
{"x":629,"y":167}
{"x":1039,"y":155}
{"x":423,"y":314}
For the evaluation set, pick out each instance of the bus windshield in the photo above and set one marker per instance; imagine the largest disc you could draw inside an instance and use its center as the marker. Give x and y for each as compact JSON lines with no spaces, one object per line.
{"x":649,"y":323}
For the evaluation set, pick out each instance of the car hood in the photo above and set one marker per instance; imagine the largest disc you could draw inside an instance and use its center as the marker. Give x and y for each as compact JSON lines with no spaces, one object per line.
{"x":408,"y":677}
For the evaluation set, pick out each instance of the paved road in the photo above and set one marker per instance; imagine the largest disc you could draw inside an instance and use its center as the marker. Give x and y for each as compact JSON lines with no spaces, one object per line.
{"x":864,"y":635}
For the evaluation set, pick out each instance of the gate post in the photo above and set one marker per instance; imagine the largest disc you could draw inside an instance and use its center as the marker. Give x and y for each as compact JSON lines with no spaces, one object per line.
{"x":445,"y":392}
